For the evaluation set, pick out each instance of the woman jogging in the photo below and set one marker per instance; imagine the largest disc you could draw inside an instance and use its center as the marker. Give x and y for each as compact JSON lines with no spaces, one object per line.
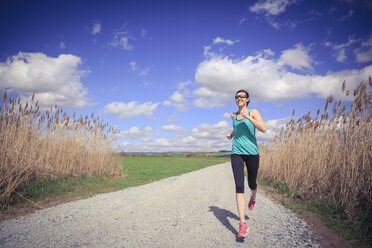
{"x":245,"y":149}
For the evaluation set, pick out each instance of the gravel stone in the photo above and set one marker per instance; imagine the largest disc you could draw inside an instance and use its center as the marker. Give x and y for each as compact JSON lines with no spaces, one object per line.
{"x":196,"y":209}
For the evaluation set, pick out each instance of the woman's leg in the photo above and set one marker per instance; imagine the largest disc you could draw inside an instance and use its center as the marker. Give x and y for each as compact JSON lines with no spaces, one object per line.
{"x":252,"y":163}
{"x":240,"y":202}
{"x":237,"y":164}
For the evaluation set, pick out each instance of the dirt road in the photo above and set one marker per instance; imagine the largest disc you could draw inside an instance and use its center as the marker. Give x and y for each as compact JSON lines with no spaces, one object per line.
{"x":192,"y":210}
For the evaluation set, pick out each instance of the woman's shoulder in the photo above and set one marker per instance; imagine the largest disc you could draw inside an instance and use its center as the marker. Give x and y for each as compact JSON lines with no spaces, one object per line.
{"x":233,"y":115}
{"x":254,"y":112}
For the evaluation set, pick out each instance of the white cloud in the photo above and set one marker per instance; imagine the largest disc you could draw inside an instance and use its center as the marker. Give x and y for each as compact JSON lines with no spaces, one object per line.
{"x":335,"y":46}
{"x":266,"y":79}
{"x":205,"y":137}
{"x":143,"y":33}
{"x":147,"y":139}
{"x":172,"y":118}
{"x":364,"y":53}
{"x":209,"y":98}
{"x":182,"y":85}
{"x":180,"y":107}
{"x":133,"y":66}
{"x":340,"y":49}
{"x":124,"y":144}
{"x":124,"y":43}
{"x":349,"y":14}
{"x":131,"y":109}
{"x":122,"y":39}
{"x":173,"y":128}
{"x":206,"y":50}
{"x":224,"y":41}
{"x":273,"y":128}
{"x":207,"y":131}
{"x":96,"y":28}
{"x":269,"y":52}
{"x":277,"y":25}
{"x":340,"y":13}
{"x":226,"y":115}
{"x":62,"y":45}
{"x":142,"y":72}
{"x":178,"y":98}
{"x":146,"y":83}
{"x":53,"y":80}
{"x":218,"y":40}
{"x":297,"y":58}
{"x":135,"y":133}
{"x":271,"y":7}
{"x":162,"y":142}
{"x":341,"y":57}
{"x":367,"y":42}
{"x":364,"y":56}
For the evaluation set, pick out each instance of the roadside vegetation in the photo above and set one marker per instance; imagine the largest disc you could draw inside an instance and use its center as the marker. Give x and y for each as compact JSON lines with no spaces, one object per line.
{"x":325,"y":160}
{"x":42,"y":145}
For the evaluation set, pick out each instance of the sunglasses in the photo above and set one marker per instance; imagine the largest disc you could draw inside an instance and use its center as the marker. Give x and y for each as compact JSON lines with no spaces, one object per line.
{"x":240,"y":96}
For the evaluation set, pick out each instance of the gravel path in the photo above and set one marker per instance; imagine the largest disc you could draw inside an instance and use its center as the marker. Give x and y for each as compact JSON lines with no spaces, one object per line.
{"x":196,"y":209}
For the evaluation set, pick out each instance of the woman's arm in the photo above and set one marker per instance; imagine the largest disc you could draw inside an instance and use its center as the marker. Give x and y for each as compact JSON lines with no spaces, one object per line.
{"x":231,"y":135}
{"x":256,"y":120}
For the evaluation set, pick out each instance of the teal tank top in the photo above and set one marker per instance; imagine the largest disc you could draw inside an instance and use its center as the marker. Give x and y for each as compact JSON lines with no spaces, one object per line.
{"x":244,"y":141}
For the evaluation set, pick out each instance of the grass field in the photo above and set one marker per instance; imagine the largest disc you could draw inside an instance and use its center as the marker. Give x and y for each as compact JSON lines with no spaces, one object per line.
{"x":148,"y":169}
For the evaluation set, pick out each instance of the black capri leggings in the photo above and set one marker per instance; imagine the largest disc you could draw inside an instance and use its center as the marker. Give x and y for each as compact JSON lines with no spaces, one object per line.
{"x":252,"y":163}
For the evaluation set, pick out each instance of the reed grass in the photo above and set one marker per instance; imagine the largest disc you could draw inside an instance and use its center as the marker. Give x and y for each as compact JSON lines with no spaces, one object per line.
{"x":328,"y":156}
{"x":36,"y":144}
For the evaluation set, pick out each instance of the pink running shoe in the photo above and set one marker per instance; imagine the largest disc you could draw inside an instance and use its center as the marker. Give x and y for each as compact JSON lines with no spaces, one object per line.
{"x":251,"y":204}
{"x":243,"y":229}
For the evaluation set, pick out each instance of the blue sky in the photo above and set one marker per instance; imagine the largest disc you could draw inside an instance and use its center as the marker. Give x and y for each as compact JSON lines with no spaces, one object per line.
{"x":165,"y":72}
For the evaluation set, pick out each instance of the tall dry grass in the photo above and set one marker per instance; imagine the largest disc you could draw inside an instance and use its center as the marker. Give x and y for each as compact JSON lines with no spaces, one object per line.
{"x":36,"y":144}
{"x":329,"y":155}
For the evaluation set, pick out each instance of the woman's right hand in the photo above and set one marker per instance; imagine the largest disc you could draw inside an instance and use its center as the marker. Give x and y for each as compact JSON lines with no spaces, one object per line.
{"x":229,"y":137}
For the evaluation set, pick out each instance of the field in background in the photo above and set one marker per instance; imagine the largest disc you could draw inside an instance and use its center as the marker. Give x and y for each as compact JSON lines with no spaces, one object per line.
{"x":149,"y":169}
{"x":327,"y":158}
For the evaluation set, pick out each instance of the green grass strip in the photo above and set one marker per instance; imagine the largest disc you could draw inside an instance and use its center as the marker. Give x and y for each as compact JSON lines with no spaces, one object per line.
{"x":137,"y":170}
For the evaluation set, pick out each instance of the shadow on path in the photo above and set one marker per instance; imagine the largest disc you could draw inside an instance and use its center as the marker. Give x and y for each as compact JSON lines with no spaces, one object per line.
{"x":222,"y":215}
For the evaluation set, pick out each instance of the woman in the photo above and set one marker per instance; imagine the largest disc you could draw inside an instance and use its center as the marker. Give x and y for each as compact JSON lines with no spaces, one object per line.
{"x":245,"y":149}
